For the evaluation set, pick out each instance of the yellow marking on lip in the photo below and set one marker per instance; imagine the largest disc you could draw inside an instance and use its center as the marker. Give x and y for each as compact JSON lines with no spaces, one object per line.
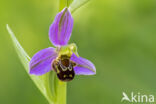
{"x":64,"y":76}
{"x":70,"y":75}
{"x":57,"y":70}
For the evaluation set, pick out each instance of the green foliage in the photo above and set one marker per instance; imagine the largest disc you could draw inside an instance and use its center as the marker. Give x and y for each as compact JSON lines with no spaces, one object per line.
{"x":49,"y":85}
{"x":77,"y":4}
{"x":64,"y":3}
{"x":72,"y":4}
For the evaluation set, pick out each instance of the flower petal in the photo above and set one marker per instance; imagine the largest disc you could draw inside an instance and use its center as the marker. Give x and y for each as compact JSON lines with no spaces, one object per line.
{"x":60,"y":30}
{"x":84,"y":66}
{"x":41,"y":61}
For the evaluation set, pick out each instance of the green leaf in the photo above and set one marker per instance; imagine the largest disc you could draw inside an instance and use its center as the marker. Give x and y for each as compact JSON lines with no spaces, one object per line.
{"x":49,"y":85}
{"x":77,"y":4}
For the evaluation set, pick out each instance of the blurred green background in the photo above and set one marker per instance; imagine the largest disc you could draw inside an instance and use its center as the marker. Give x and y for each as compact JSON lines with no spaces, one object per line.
{"x":118,"y":36}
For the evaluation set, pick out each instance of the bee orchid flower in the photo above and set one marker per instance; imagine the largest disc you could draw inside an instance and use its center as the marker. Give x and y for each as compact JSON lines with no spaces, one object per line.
{"x":63,"y":58}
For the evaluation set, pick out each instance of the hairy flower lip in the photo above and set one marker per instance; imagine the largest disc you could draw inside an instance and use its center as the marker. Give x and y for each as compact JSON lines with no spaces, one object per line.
{"x":59,"y":35}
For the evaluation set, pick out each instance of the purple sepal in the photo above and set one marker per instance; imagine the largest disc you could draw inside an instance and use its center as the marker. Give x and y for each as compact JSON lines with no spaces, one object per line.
{"x":61,"y":28}
{"x":41,"y":61}
{"x":84,"y":66}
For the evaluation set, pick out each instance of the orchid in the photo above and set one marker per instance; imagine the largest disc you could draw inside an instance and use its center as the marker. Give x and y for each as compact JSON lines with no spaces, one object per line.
{"x":63,"y":58}
{"x":52,"y":67}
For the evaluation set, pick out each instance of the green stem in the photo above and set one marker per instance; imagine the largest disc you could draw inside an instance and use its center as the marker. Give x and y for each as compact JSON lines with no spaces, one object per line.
{"x":58,"y":90}
{"x":62,"y":4}
{"x":61,"y":92}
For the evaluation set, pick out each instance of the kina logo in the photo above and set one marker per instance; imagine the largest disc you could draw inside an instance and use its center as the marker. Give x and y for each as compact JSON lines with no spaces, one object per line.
{"x":137,"y":98}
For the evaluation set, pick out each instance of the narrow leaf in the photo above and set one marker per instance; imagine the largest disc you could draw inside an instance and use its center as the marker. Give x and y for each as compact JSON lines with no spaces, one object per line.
{"x":48,"y":84}
{"x":77,"y":4}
